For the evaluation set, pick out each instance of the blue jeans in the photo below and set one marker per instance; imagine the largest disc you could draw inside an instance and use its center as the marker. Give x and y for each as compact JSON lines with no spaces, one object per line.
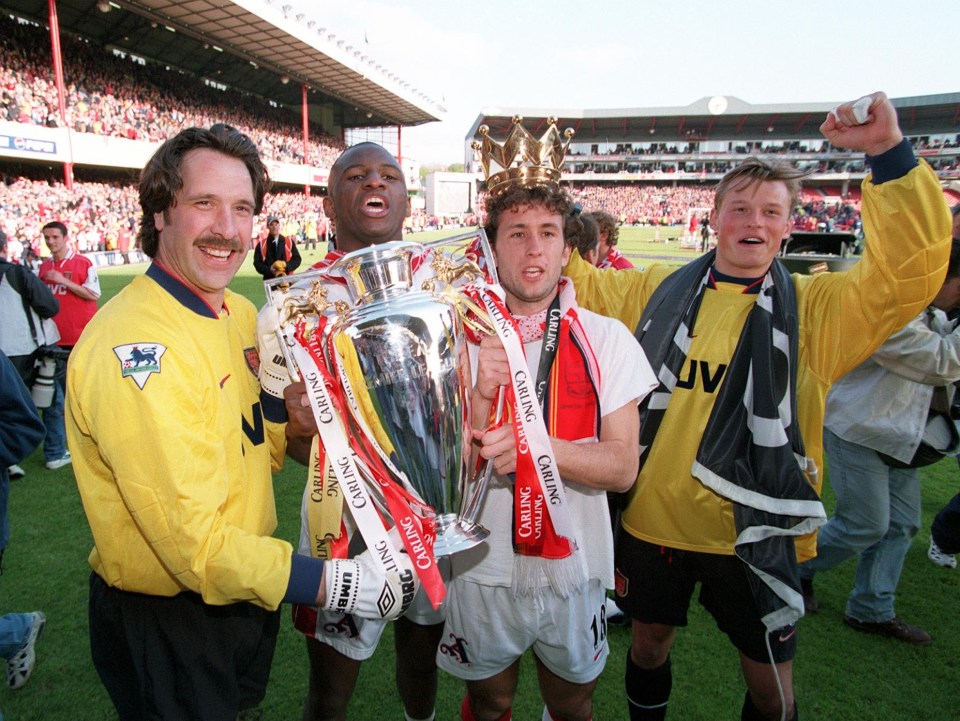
{"x":14,"y":628}
{"x":876,"y":517}
{"x":55,"y":443}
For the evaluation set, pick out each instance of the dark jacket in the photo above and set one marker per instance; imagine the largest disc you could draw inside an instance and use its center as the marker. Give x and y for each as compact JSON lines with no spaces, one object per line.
{"x":266,"y":253}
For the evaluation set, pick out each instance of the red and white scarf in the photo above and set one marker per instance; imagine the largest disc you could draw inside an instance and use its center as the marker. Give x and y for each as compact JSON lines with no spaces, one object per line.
{"x":544,"y":542}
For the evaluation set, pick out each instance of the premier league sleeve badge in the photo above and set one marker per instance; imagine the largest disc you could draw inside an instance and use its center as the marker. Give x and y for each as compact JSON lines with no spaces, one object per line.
{"x":139,"y":360}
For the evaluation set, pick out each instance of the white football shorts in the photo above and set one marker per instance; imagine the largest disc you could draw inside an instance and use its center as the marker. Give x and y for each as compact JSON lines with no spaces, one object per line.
{"x":487,"y":629}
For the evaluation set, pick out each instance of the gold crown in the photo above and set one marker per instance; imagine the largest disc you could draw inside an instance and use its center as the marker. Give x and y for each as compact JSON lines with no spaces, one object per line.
{"x":522,"y":159}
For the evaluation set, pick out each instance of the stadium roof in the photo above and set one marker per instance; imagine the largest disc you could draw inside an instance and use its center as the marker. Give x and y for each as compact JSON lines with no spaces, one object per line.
{"x":716,"y":118}
{"x":250,"y":45}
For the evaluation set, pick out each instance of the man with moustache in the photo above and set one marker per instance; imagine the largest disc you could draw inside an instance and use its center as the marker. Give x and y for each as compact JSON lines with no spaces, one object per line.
{"x":173,"y":458}
{"x":731,"y":441}
{"x":367,"y":204}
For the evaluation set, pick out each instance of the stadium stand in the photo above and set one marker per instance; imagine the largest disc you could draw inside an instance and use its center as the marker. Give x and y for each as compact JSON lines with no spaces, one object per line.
{"x":119,"y":96}
{"x":113,"y":93}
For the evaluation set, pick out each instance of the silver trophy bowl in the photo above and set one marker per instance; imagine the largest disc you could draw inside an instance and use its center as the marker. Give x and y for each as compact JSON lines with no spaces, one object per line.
{"x":404,"y":351}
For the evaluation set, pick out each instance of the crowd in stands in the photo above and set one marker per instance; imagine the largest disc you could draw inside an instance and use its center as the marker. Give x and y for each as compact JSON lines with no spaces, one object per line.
{"x":750,"y":148}
{"x":110,"y":95}
{"x":101,"y":215}
{"x":921,"y":144}
{"x":121,"y":96}
{"x":420,"y":220}
{"x":644,"y":204}
{"x":819,"y":215}
{"x":670,"y":205}
{"x":621,"y":158}
{"x":95,"y":213}
{"x":719,"y":167}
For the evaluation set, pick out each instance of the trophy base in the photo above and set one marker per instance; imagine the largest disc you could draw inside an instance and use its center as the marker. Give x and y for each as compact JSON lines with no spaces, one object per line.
{"x":456,"y":534}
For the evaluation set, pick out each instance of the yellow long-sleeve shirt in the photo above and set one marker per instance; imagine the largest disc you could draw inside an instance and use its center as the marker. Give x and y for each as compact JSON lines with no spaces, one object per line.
{"x":844,"y":317}
{"x":172,"y":456}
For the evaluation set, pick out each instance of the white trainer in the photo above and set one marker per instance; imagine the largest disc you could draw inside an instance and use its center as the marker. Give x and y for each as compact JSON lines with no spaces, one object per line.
{"x":946,"y":560}
{"x":21,"y":665}
{"x":64,"y":460}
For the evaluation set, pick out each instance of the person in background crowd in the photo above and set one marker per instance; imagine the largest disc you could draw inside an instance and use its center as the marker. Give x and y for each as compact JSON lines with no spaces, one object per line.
{"x":19,"y":633}
{"x":705,"y":234}
{"x":15,"y":249}
{"x":585,"y":232}
{"x":27,"y":308}
{"x":945,"y":531}
{"x":276,"y":254}
{"x":879,"y":417}
{"x":21,"y":431}
{"x":945,"y":535}
{"x":72,"y":278}
{"x":584,"y":235}
{"x":608,"y":256}
{"x":310,"y":233}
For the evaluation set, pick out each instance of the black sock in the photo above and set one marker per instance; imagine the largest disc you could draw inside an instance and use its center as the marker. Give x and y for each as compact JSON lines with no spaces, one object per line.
{"x":751,"y":713}
{"x":648,"y":690}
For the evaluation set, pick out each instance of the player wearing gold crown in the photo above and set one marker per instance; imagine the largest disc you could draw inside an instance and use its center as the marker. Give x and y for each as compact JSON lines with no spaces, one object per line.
{"x":568,"y":436}
{"x":731,"y":441}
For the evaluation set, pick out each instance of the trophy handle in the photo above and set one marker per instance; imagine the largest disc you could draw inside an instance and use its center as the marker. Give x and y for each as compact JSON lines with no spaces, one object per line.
{"x":474,"y":245}
{"x":471,"y":509}
{"x":472,"y":315}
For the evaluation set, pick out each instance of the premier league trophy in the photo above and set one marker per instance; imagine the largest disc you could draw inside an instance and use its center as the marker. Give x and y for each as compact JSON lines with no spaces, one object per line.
{"x":408,"y":347}
{"x":388,"y":322}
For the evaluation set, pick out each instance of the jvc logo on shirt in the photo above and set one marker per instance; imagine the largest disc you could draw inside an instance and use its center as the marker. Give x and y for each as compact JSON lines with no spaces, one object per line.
{"x":711,"y":381}
{"x":60,"y":288}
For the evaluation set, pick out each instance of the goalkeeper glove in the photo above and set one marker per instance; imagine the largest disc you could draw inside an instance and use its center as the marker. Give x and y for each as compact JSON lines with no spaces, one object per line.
{"x":361,"y":587}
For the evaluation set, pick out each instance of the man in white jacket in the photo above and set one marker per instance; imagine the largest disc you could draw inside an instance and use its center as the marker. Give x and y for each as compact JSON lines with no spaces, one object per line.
{"x":876,"y":423}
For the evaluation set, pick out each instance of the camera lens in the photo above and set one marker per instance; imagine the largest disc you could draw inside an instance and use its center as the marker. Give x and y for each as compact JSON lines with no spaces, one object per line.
{"x":42,"y":389}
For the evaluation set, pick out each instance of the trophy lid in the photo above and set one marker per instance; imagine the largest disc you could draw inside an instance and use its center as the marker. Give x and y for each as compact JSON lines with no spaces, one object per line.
{"x":378,"y":271}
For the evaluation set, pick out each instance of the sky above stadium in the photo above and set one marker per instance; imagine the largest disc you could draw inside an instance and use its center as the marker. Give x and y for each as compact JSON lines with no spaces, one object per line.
{"x":641,"y":53}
